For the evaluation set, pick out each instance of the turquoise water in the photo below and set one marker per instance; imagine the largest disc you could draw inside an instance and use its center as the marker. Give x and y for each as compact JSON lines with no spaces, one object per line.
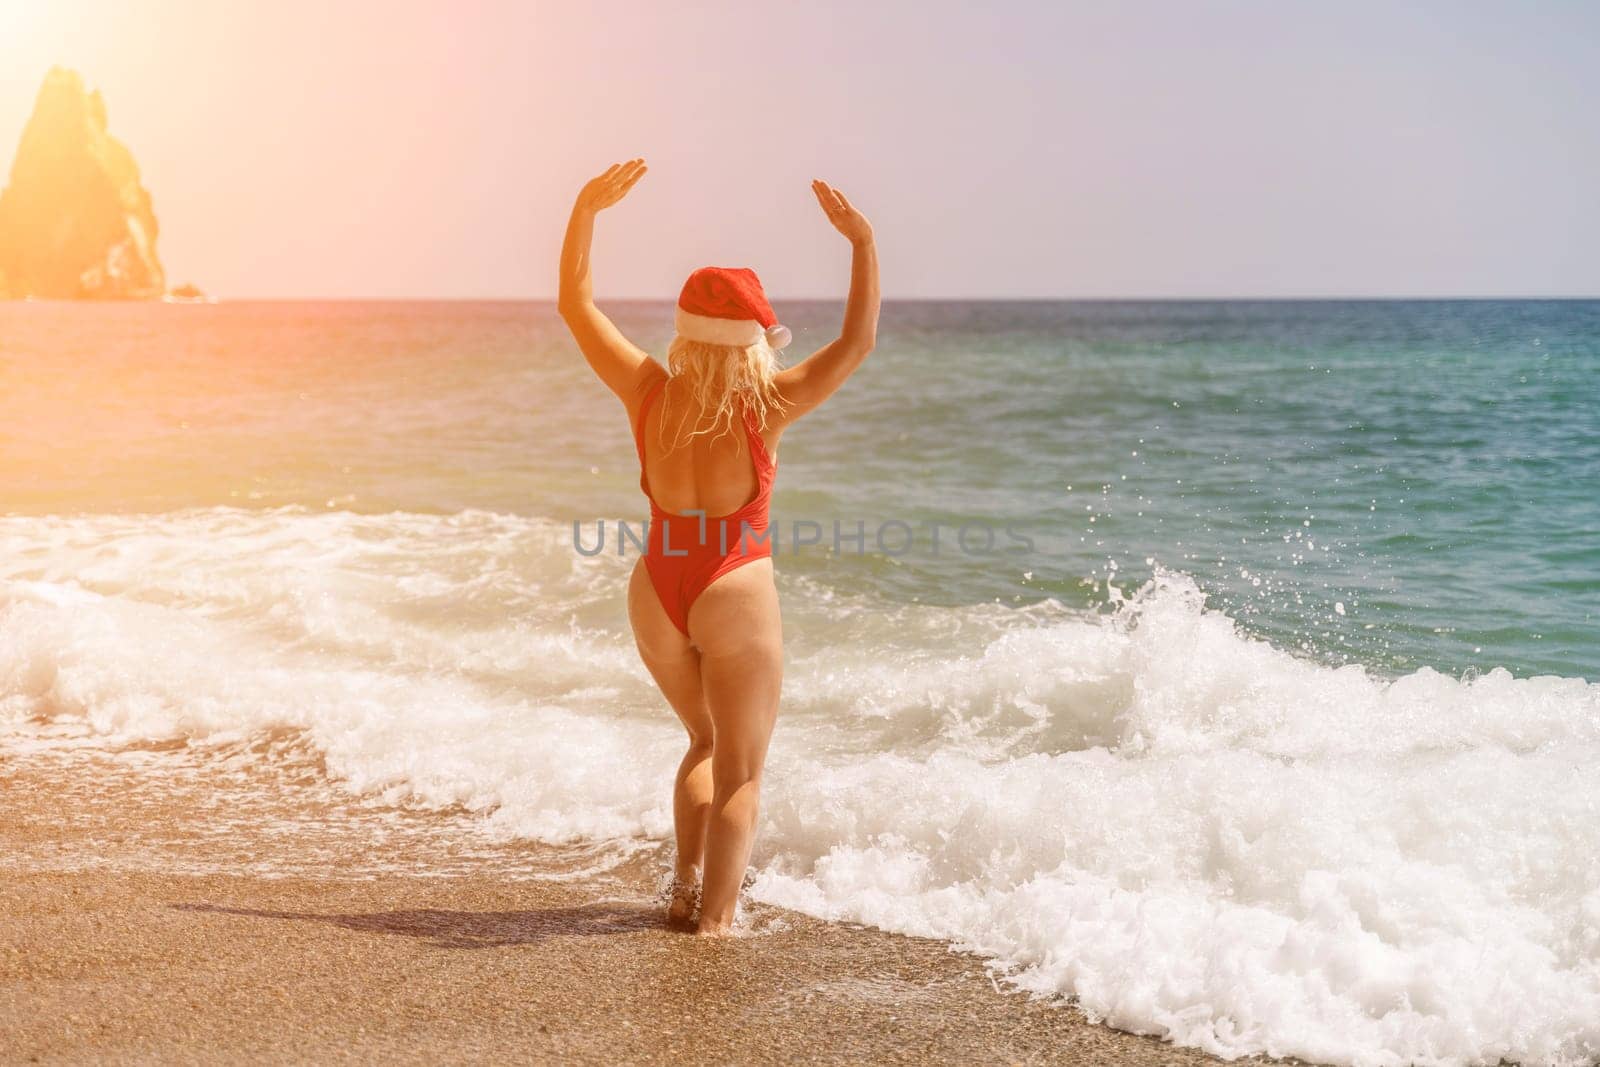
{"x":1392,"y":483}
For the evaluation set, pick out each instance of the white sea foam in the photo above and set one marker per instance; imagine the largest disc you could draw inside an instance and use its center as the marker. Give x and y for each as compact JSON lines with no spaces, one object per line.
{"x":1190,"y":832}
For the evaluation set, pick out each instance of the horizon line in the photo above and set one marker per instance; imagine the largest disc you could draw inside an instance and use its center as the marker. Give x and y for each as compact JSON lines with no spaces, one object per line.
{"x":1311,"y":298}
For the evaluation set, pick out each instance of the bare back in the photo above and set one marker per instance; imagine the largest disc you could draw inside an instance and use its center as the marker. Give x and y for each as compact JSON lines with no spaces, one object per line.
{"x":705,"y":472}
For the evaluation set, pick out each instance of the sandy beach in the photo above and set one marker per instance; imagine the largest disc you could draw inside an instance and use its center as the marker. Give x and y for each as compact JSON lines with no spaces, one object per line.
{"x":125,"y":938}
{"x":1183,"y":635}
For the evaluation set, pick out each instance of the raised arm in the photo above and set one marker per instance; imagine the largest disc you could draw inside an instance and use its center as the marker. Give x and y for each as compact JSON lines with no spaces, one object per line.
{"x":614,"y":358}
{"x":808,"y":384}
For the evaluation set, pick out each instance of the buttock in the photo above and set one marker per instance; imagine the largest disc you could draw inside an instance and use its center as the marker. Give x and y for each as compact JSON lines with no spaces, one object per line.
{"x":681,"y":580}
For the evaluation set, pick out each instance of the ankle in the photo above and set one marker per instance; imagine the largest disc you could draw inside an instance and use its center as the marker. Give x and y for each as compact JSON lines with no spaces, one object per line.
{"x":706,"y":928}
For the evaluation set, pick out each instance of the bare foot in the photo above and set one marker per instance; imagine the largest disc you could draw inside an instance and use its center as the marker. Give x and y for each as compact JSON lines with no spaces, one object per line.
{"x":683,"y":903}
{"x":710,"y":927}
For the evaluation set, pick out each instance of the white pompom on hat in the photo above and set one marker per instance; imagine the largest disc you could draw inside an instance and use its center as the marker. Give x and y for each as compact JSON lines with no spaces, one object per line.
{"x":727,"y":306}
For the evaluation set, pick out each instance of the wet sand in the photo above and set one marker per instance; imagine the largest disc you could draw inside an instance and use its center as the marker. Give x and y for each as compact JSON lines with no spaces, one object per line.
{"x":171,"y":913}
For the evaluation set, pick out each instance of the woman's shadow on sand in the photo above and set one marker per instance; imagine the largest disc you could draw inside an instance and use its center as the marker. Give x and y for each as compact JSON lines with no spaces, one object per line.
{"x":473,"y":929}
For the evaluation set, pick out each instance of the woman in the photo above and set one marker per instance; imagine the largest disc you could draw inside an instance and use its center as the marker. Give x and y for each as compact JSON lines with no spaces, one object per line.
{"x":702,"y":601}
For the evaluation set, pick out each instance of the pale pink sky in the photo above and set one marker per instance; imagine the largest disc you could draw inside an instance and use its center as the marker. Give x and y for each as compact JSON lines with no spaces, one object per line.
{"x":1028,"y":149}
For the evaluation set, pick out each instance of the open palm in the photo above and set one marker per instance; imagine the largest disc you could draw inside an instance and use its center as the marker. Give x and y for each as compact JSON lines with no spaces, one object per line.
{"x":605,"y":190}
{"x":845,"y":218}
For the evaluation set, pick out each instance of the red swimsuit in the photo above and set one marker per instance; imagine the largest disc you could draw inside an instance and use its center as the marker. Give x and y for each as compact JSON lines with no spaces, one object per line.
{"x":686,"y":553}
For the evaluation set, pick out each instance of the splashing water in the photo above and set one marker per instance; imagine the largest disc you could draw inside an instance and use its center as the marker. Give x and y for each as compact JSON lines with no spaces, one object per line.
{"x":1188,"y":831}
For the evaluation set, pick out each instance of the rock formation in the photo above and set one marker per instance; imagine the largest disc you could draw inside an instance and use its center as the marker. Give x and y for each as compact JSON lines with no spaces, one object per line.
{"x":74,"y":220}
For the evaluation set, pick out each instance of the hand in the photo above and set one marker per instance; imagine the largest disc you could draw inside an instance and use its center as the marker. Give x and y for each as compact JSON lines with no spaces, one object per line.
{"x":600,"y":193}
{"x":845,"y":218}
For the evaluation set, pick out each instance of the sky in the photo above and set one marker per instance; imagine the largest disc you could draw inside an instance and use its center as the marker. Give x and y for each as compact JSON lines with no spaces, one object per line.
{"x":1029,"y":149}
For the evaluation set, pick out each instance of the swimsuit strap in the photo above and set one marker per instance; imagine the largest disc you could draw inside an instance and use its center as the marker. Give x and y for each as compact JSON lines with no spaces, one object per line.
{"x":644,"y":409}
{"x":758,"y":449}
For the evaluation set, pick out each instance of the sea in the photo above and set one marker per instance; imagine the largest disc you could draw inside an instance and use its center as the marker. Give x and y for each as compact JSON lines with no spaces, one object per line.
{"x":1229,"y":669}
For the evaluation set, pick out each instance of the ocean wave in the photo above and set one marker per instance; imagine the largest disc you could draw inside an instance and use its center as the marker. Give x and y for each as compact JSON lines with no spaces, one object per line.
{"x":1189,"y":832}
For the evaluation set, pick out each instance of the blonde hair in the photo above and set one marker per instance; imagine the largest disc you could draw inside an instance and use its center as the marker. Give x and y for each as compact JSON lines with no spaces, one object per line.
{"x":723,"y":381}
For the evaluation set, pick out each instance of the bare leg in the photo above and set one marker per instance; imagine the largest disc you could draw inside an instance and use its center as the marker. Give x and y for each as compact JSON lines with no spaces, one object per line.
{"x":739,"y":632}
{"x":675,"y":665}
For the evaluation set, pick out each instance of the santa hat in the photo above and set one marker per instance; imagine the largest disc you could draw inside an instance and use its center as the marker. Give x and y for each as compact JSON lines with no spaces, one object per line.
{"x":725,"y":306}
